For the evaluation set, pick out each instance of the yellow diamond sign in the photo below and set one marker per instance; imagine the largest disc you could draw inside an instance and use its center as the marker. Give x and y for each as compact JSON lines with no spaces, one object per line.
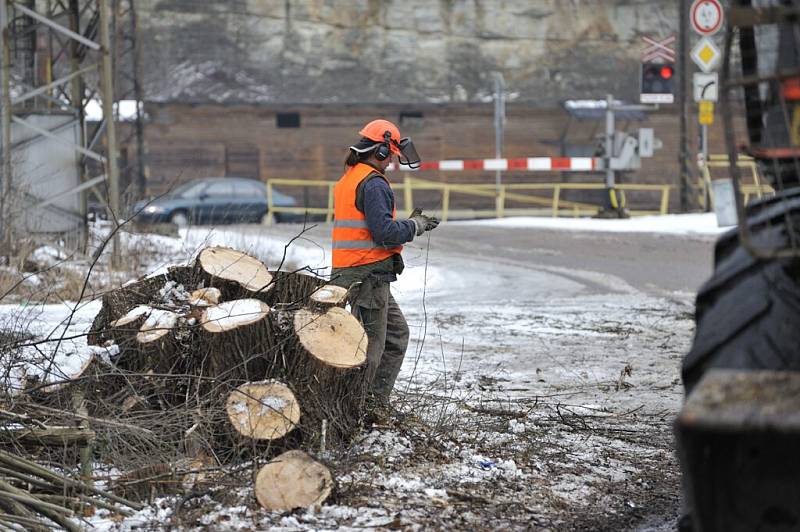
{"x":706,"y":54}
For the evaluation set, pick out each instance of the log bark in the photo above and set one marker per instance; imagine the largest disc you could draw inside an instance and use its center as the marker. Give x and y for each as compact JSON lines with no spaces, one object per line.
{"x":236,"y":274}
{"x":157,"y":341}
{"x":237,"y":335}
{"x":265,"y":410}
{"x":293,"y":480}
{"x":292,"y":289}
{"x":145,"y":291}
{"x":151,"y":348}
{"x":324,"y":360}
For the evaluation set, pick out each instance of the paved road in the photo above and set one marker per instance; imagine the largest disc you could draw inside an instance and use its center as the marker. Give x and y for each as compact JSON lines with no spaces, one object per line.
{"x":647,"y":262}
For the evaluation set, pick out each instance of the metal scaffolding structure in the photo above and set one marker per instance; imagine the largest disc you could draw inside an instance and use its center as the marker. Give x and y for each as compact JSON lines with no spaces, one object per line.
{"x":59,"y":58}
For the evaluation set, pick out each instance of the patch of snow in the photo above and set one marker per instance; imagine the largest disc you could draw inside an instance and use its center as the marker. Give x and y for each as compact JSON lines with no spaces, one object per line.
{"x":675,"y":224}
{"x":516,"y":427}
{"x":230,"y":314}
{"x":323,"y":293}
{"x":399,"y":483}
{"x":173,"y":294}
{"x":434,"y":493}
{"x":380,"y":443}
{"x":47,"y":256}
{"x":138,"y":311}
{"x":160,"y":319}
{"x":272,"y":404}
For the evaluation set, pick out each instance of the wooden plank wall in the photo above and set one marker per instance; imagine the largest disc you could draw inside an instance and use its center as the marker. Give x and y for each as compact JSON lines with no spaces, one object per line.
{"x":187,"y":141}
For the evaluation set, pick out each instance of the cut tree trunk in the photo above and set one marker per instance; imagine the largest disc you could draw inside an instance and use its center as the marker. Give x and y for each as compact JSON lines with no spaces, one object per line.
{"x":324,"y":360}
{"x":293,"y":480}
{"x":328,"y":296}
{"x":119,"y":302}
{"x":238,"y":337}
{"x":335,"y":337}
{"x":236,"y":274}
{"x":124,"y":330}
{"x":265,"y":410}
{"x":292,"y":289}
{"x":205,"y":297}
{"x":155,"y":345}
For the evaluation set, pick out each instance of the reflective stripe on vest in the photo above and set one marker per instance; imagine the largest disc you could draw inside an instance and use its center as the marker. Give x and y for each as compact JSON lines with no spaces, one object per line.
{"x":352,"y":240}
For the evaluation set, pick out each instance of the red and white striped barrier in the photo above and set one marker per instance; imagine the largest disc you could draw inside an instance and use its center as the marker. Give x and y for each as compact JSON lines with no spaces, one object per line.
{"x":530,"y":164}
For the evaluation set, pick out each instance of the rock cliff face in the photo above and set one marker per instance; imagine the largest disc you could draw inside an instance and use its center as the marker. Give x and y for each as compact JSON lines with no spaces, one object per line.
{"x":403,"y":51}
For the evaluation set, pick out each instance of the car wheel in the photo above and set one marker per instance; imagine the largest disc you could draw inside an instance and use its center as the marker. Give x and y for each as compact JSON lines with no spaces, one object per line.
{"x":179,"y":218}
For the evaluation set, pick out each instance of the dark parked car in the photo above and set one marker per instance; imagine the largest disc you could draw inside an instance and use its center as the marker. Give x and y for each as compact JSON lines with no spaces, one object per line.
{"x":214,"y":200}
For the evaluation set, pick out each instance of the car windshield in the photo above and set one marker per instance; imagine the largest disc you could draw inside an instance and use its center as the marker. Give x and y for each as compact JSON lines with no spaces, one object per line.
{"x":191,"y":189}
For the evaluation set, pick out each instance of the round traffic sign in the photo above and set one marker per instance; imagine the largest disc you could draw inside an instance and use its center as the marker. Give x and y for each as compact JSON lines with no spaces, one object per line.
{"x":706,"y":16}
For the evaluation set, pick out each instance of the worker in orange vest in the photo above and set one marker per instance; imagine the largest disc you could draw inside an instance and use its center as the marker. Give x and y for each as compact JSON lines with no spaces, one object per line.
{"x":367,"y":241}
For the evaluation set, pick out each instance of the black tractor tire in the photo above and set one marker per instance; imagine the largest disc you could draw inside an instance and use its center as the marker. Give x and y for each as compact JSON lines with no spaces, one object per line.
{"x":748,"y":314}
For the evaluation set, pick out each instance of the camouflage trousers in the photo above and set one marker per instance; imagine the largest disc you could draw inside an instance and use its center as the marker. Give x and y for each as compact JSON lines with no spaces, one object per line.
{"x":387,"y":334}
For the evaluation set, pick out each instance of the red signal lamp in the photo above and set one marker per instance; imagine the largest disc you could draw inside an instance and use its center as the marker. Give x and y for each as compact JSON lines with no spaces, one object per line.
{"x":666,"y":72}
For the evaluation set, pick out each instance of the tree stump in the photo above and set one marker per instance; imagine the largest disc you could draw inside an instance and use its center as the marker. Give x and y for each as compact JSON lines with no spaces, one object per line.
{"x":325,"y":362}
{"x":123,"y":330}
{"x":236,"y":274}
{"x":238,"y":334}
{"x":265,"y":410}
{"x":155,"y":344}
{"x":292,"y":289}
{"x":293,"y":480}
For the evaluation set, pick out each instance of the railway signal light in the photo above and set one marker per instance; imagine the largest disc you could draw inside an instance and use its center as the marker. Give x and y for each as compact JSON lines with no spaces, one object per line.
{"x":656,"y":83}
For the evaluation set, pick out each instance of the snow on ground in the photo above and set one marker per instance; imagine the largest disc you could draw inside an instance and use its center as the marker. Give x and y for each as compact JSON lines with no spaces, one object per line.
{"x":536,"y":403}
{"x":675,"y":224}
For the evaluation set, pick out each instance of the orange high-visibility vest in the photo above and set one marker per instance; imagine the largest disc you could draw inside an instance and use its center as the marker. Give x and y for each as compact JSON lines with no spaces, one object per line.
{"x":352,"y":240}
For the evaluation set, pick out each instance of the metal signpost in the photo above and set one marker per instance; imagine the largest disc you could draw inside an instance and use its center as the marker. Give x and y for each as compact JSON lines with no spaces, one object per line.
{"x":499,"y":126}
{"x":706,"y":17}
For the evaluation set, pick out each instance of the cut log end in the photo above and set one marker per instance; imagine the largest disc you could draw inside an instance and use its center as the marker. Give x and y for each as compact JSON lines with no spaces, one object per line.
{"x":265,"y":410}
{"x":329,"y":296}
{"x":293,"y":480}
{"x":157,"y":325}
{"x":205,"y":297}
{"x":231,"y":315}
{"x":335,"y":337}
{"x":139,"y":312}
{"x":231,"y":265}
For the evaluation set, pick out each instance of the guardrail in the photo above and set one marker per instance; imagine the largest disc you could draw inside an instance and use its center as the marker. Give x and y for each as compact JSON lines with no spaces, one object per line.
{"x":514,"y":192}
{"x":757,"y":188}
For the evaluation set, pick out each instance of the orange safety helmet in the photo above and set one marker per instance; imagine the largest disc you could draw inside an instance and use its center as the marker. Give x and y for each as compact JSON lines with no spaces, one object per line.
{"x":376,"y":131}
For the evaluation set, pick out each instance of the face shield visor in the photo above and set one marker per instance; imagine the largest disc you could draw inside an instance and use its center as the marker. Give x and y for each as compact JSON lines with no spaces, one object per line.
{"x":408,"y":153}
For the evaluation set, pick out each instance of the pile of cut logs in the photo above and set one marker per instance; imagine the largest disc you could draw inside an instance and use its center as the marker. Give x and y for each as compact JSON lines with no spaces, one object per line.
{"x":259,"y":361}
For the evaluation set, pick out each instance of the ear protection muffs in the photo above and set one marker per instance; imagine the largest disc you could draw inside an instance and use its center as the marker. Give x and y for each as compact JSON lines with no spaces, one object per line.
{"x":383,"y":151}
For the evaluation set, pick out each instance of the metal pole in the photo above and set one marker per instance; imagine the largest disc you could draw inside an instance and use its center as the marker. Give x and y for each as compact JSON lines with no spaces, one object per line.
{"x":76,"y":96}
{"x":138,"y":95}
{"x":6,"y":123}
{"x":609,"y":141}
{"x":683,"y":150}
{"x":107,"y":89}
{"x":704,"y":158}
{"x":499,"y":127}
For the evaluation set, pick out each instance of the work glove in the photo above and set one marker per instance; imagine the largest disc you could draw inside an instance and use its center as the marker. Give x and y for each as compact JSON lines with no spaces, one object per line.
{"x":423,"y":222}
